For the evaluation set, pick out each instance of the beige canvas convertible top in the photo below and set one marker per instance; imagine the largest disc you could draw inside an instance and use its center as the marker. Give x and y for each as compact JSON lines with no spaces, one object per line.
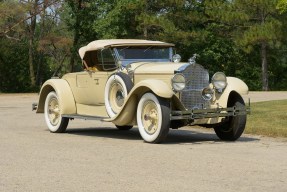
{"x":100,"y":44}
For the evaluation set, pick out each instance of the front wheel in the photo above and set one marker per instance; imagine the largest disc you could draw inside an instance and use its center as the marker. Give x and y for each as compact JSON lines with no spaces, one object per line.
{"x":153,"y":118}
{"x":233,"y":128}
{"x":54,"y":120}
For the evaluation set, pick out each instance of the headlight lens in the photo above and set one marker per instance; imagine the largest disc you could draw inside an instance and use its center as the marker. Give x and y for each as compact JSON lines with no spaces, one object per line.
{"x":219,"y":81}
{"x":178,"y":82}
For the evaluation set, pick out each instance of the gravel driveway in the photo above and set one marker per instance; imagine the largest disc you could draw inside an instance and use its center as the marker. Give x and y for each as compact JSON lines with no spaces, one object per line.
{"x":95,"y":156}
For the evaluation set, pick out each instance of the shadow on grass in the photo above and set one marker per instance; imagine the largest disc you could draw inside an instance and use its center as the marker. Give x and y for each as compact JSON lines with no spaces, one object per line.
{"x":174,"y":136}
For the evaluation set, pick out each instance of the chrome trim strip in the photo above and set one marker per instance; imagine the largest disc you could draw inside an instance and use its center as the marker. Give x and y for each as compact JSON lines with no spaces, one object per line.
{"x":182,"y":68}
{"x":86,"y":117}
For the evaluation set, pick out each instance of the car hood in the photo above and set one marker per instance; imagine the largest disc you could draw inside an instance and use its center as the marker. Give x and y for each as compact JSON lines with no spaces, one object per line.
{"x":155,"y":67}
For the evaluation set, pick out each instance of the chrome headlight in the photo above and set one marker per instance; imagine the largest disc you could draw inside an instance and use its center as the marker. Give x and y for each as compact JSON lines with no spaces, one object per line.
{"x":207,"y":94}
{"x":219,"y":81}
{"x":176,"y":58}
{"x":178,"y":82}
{"x":130,"y":71}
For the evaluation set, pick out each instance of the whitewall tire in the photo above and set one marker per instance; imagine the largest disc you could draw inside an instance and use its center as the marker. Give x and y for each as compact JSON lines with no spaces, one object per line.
{"x":153,"y":118}
{"x":52,"y":111}
{"x":117,"y":88}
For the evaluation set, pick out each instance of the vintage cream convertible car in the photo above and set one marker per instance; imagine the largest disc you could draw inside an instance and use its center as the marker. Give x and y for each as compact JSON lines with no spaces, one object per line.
{"x":142,"y":83}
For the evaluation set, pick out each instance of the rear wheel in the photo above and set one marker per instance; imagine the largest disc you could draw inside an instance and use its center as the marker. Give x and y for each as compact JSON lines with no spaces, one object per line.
{"x":153,"y":118}
{"x":52,"y":111}
{"x":233,"y":128}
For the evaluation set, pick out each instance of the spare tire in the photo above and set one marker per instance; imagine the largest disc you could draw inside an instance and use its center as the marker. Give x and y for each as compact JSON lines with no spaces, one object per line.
{"x":117,"y":88}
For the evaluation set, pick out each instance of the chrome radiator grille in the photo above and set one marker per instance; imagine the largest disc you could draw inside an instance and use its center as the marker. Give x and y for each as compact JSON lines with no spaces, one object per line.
{"x":196,"y":78}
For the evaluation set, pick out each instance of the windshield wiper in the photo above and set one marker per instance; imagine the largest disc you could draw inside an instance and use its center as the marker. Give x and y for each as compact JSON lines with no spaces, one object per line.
{"x":147,"y":49}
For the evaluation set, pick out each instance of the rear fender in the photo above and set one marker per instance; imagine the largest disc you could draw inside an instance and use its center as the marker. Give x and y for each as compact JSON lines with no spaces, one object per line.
{"x":65,"y":95}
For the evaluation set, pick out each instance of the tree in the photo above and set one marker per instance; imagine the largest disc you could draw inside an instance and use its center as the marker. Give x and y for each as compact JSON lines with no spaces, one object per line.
{"x":116,"y":19}
{"x":19,"y":21}
{"x":30,"y":22}
{"x":79,"y":15}
{"x":255,"y":23}
{"x":14,"y":71}
{"x":41,"y":35}
{"x":282,"y":6}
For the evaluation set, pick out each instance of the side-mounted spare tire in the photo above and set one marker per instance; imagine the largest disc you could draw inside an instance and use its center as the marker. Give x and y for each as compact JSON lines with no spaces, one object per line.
{"x":117,"y":88}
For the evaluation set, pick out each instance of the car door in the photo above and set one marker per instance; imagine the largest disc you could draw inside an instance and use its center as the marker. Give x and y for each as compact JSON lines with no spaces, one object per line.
{"x":91,"y":83}
{"x":90,"y":87}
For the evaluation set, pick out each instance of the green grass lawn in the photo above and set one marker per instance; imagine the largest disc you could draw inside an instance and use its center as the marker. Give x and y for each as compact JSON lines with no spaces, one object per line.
{"x":268,"y":118}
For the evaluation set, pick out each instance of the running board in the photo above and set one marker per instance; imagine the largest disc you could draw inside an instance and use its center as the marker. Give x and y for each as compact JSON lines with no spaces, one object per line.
{"x":86,"y":117}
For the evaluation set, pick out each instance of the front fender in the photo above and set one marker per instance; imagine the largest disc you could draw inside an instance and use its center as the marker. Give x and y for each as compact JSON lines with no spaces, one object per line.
{"x":159,"y":87}
{"x":233,"y":85}
{"x":127,"y":115}
{"x":64,"y":92}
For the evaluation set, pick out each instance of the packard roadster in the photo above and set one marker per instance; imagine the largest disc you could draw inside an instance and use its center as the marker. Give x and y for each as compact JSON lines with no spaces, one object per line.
{"x":143,"y":83}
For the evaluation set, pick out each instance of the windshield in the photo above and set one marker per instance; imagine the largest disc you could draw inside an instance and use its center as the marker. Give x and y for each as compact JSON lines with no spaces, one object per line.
{"x":144,"y":53}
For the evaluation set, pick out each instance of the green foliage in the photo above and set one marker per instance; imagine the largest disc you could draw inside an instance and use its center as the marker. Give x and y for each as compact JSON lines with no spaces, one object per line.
{"x":14,"y":71}
{"x":117,"y":19}
{"x":282,"y":6}
{"x":256,"y":24}
{"x":11,"y":12}
{"x":228,"y":35}
{"x":253,"y":21}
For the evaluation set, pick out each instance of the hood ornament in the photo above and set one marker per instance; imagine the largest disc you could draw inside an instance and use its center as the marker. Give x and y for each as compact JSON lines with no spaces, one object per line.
{"x":192,"y":59}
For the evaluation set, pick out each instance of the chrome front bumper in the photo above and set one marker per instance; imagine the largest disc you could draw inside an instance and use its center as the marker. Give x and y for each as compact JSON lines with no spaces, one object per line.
{"x":210,"y":113}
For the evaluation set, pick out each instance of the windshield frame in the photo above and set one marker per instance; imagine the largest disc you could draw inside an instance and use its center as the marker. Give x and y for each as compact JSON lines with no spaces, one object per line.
{"x":125,"y":62}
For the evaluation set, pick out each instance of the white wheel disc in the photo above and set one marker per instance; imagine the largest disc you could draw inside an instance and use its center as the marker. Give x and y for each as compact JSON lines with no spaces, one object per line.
{"x":149,"y":117}
{"x":52,"y":112}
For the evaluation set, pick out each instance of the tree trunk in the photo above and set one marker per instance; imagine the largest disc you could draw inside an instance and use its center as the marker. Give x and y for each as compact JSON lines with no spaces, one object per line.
{"x":73,"y":54}
{"x":32,"y":28}
{"x":145,"y":31}
{"x":41,"y":54}
{"x":265,"y":86}
{"x":76,"y":35}
{"x":31,"y":67}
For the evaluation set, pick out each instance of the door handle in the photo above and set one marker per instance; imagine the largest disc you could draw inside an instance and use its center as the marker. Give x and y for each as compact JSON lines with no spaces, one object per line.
{"x":97,"y":81}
